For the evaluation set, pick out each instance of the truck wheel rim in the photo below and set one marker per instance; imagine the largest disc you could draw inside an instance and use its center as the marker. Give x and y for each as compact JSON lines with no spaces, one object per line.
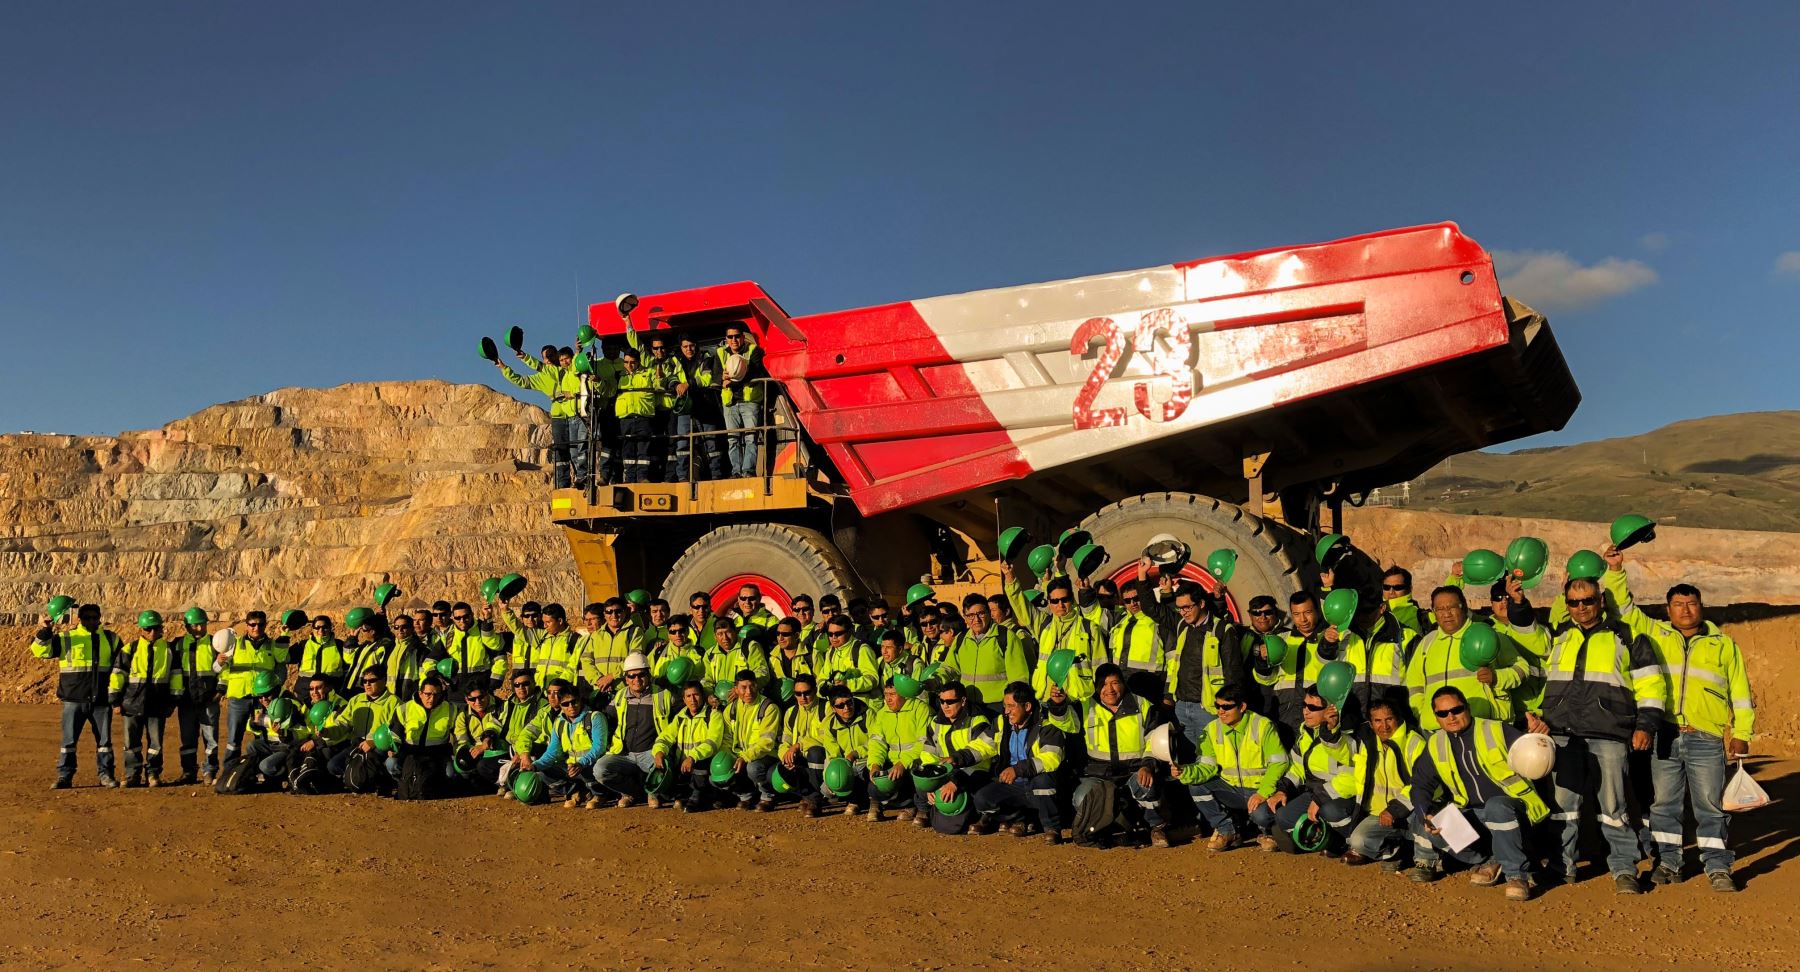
{"x":775,"y":597}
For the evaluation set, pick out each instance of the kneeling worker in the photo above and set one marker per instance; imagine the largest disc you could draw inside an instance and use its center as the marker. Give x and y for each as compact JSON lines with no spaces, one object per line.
{"x":1031,"y":753}
{"x":1497,"y":799}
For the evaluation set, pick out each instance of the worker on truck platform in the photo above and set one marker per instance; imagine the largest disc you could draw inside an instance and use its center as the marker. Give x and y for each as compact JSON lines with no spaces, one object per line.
{"x":555,"y":377}
{"x":741,"y":397}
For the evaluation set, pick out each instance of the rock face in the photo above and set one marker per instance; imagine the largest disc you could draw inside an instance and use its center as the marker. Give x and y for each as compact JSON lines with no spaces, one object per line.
{"x":301,"y":498}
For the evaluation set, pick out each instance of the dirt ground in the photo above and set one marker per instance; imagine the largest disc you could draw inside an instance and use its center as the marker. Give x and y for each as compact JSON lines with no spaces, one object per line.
{"x":90,"y":877}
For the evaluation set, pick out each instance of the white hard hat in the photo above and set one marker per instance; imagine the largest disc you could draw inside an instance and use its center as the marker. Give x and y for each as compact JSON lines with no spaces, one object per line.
{"x":224,"y":641}
{"x":1165,"y":549}
{"x":1158,"y":742}
{"x":635,"y":661}
{"x":1532,"y":755}
{"x":735,"y":366}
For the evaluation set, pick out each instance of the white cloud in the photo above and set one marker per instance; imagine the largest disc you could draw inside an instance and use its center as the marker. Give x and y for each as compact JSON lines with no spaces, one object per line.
{"x":1550,"y":280}
{"x":1654,"y":242}
{"x":1788,"y":264}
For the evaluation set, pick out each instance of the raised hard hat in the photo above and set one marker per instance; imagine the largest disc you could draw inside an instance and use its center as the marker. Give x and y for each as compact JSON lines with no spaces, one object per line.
{"x":357,"y":617}
{"x":584,"y":365}
{"x":1158,"y":742}
{"x":1329,"y":549}
{"x":264,"y":683}
{"x":224,"y":641}
{"x":1164,"y":549}
{"x":1088,"y":559}
{"x":149,"y":619}
{"x":293,"y":619}
{"x":1586,"y":565}
{"x":1479,"y":646}
{"x":1483,"y":567}
{"x":636,"y":662}
{"x":1530,"y":557}
{"x":1040,"y":559}
{"x":489,"y":349}
{"x":1632,"y":529}
{"x":919,"y":592}
{"x":515,"y":337}
{"x":194,"y":616}
{"x":385,"y":593}
{"x":489,"y":588}
{"x":585,"y":334}
{"x":1012,"y":541}
{"x":446,"y":667}
{"x":1057,"y":666}
{"x":511,"y":586}
{"x":1336,"y":679}
{"x":59,"y":606}
{"x":1073,"y":540}
{"x":1222,"y":564}
{"x":1276,"y":647}
{"x":1532,"y":755}
{"x":906,"y":686}
{"x":1340,"y":606}
{"x":625,"y":303}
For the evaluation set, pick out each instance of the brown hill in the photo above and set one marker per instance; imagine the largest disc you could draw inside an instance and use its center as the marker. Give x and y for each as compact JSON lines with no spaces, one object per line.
{"x":1734,"y":472}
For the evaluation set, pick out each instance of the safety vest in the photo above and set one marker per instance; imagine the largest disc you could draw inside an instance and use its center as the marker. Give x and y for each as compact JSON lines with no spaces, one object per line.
{"x":967,"y":743}
{"x":516,"y":718}
{"x":1136,"y":646}
{"x":1437,"y":662}
{"x":603,"y":652}
{"x":802,"y":725}
{"x":668,"y":652}
{"x":1708,"y":689}
{"x":524,"y":641}
{"x":470,"y":728}
{"x":360,"y":716}
{"x":845,"y":739}
{"x":781,"y":666}
{"x":638,"y":392}
{"x":1043,"y":748}
{"x":693,"y":735}
{"x":1316,"y":760}
{"x":1196,"y":668}
{"x":1248,"y":756}
{"x":985,"y":664}
{"x":420,"y":726}
{"x":556,"y":656}
{"x":363,"y":658}
{"x":575,"y":739}
{"x":748,"y":390}
{"x":1490,"y":752}
{"x":662,"y":706}
{"x":1603,"y":682}
{"x":853,"y":664}
{"x":146,"y":674}
{"x":320,"y":658}
{"x":753,"y":728}
{"x":250,"y":658}
{"x":1116,"y":735}
{"x":477,"y":657}
{"x":1380,"y":774}
{"x":1385,"y":651}
{"x":897,"y":738}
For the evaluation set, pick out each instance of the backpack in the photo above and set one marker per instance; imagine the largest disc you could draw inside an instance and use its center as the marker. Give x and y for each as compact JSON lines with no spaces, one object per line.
{"x":237,"y":779}
{"x":310,"y":778}
{"x":419,"y":777}
{"x":1096,"y":815}
{"x":363,"y":773}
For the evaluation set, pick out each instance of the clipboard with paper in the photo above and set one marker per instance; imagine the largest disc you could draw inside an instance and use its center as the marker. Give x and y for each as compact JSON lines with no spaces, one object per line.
{"x":1454,"y":827}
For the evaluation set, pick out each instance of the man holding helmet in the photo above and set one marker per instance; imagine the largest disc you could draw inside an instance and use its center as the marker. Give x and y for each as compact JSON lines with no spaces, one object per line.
{"x":84,"y":660}
{"x":1466,"y":766}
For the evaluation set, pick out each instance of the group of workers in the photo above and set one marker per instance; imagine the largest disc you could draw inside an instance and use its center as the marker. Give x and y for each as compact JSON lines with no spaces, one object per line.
{"x":1110,"y":713}
{"x":660,"y":408}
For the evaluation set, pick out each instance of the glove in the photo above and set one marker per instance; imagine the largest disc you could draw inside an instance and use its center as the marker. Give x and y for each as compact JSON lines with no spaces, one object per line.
{"x":116,"y":699}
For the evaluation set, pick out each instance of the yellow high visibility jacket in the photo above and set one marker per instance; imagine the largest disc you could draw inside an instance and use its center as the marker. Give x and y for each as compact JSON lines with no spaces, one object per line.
{"x":1248,"y":756}
{"x":692,"y":735}
{"x":420,"y":726}
{"x":897,"y":738}
{"x":753,"y":729}
{"x":1490,"y":752}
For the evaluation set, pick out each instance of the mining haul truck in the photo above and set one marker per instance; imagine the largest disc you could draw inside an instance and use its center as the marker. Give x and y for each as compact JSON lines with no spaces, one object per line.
{"x":1236,"y":402}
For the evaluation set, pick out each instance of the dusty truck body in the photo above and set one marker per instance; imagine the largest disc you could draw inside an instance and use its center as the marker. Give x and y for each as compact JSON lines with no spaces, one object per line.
{"x":1235,"y":401}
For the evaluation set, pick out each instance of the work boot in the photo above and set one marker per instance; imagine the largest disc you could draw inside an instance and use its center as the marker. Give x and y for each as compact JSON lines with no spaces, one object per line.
{"x":1721,"y":881}
{"x":1267,"y":844}
{"x":809,"y":809}
{"x":765,"y":805}
{"x":1626,"y":884}
{"x":504,"y":793}
{"x":591,"y":803}
{"x":573,"y":802}
{"x":1353,"y":859}
{"x":625,"y":801}
{"x":653,"y":801}
{"x":849,"y":809}
{"x":1424,"y":873}
{"x":1222,"y":842}
{"x":153,"y":781}
{"x":1159,"y":836}
{"x":875,"y":815}
{"x":1054,"y":838}
{"x":905,"y":815}
{"x":62,"y":783}
{"x":985,"y":826}
{"x":1518,"y":890}
{"x":107,"y":781}
{"x":1664,"y":874}
{"x":1486,"y":876}
{"x":1392,"y":865}
{"x":921,"y":821}
{"x":1019,"y":828}
{"x":186,"y":779}
{"x":747,"y":803}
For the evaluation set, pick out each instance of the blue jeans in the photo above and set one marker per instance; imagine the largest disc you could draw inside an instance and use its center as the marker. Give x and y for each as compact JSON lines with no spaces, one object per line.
{"x":1503,"y":818}
{"x":710,"y":464}
{"x":624,"y":773}
{"x":1695,"y":769}
{"x":1223,"y":806}
{"x":98,"y":718}
{"x":1593,"y":770}
{"x":741,"y":446}
{"x":1373,"y":840}
{"x":199,"y":725}
{"x":237,"y":719}
{"x":1193,"y":719}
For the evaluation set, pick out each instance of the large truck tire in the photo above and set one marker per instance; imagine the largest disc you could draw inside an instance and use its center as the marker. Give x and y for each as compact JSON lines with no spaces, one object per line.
{"x":1273,"y":558}
{"x":784,"y":561}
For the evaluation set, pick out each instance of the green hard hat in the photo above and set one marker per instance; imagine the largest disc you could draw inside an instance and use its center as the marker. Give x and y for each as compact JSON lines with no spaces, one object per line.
{"x":293,"y":619}
{"x":1056,"y":667}
{"x":489,"y":349}
{"x":1276,"y":647}
{"x":754,"y":632}
{"x":639,"y":597}
{"x":1480,"y":646}
{"x":1088,"y":558}
{"x":529,"y":787}
{"x":264,"y":683}
{"x":1013,"y":540}
{"x":929,"y":776}
{"x":953,"y":806}
{"x":884,"y":784}
{"x":1040,"y":559}
{"x":1336,"y":679}
{"x":1632,"y":529}
{"x":489,"y":588}
{"x":785,"y":690}
{"x":779,"y":782}
{"x":1340,"y":606}
{"x":720,"y":770}
{"x":1483,"y":567}
{"x":357,"y":617}
{"x":59,"y":606}
{"x":149,"y":619}
{"x":1073,"y":540}
{"x":659,"y":781}
{"x":1309,"y":835}
{"x":1327,"y":551}
{"x":1529,"y":556}
{"x":676,"y":671}
{"x":722,"y":688}
{"x":1032,"y":596}
{"x":194,"y":616}
{"x":515,"y":337}
{"x":839,"y":776}
{"x":906,"y":686}
{"x":1222,"y":563}
{"x":383,"y":739}
{"x":282,"y":712}
{"x":1586,"y":565}
{"x":318,"y":714}
{"x":919,"y":592}
{"x":385,"y":593}
{"x":584,"y":365}
{"x":511,"y":586}
{"x":446,"y":667}
{"x":585,"y":334}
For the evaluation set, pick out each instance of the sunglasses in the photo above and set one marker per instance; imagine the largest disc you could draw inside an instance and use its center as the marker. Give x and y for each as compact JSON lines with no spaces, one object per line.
{"x":636,"y":676}
{"x":440,"y":614}
{"x":878,"y":617}
{"x":568,"y":703}
{"x":837,"y":634}
{"x":1264,"y":613}
{"x":612,"y":611}
{"x":802,"y":695}
{"x":529,"y":615}
{"x":371,"y":681}
{"x":253,"y":624}
{"x":522,"y":683}
{"x":802,"y":609}
{"x":1314,"y":708}
{"x":459,"y":617}
{"x":1128,"y":600}
{"x":1393,"y":587}
{"x":1447,"y":713}
{"x":746,"y":599}
{"x":1583,"y":601}
{"x":1228,"y":706}
{"x":841,"y":705}
{"x":475,"y":698}
{"x":1061,"y":600}
{"x":950,"y":701}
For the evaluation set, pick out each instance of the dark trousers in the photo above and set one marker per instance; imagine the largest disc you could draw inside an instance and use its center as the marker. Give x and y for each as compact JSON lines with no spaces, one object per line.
{"x":199,"y":723}
{"x":635,"y":441}
{"x":143,"y":744}
{"x":1036,"y":794}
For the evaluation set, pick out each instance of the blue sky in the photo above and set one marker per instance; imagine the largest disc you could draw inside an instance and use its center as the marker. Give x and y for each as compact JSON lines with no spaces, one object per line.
{"x":205,"y":202}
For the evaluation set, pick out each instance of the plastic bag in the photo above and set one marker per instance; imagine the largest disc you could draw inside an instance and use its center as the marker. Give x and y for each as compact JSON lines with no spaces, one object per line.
{"x":1744,"y":793}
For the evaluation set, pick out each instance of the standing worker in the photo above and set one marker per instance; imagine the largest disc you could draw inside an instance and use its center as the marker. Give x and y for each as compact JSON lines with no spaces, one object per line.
{"x":695,"y":406}
{"x":253,"y":654}
{"x":197,"y":706}
{"x":145,"y":683}
{"x":84,"y":656}
{"x":635,"y":407}
{"x":556,"y":378}
{"x":741,"y":396}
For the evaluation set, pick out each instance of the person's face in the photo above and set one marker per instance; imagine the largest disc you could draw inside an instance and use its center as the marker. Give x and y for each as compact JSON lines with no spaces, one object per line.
{"x":803,"y":693}
{"x":1312,"y":711}
{"x":746,"y":691}
{"x":678,"y":635}
{"x":630,"y":362}
{"x":197,"y":630}
{"x":523,"y":688}
{"x":614,"y":617}
{"x":977,"y":618}
{"x":1112,"y":690}
{"x":1584,"y":603}
{"x":1394,"y":587}
{"x":317,"y":690}
{"x":1188,"y":608}
{"x":689,"y":348}
{"x":928,"y":626}
{"x":89,"y":617}
{"x":252,"y":629}
{"x":1306,"y":618}
{"x":462,"y":618}
{"x":804,"y":611}
{"x":659,"y":614}
{"x":1450,"y":611}
{"x":637,"y":681}
{"x":891,"y":699}
{"x":1057,"y":694}
{"x":1106,"y":592}
{"x":748,"y":600}
{"x":153,"y":633}
{"x":322,"y":630}
{"x":1685,"y":612}
{"x":554,"y":624}
{"x":725,"y":637}
{"x":842,"y":709}
{"x":532,"y":619}
{"x":1230,"y":712}
{"x":700,"y":606}
{"x":693,"y":698}
{"x":429,"y":695}
{"x":1452,"y":716}
{"x":787,"y":638}
{"x":570,"y":707}
{"x":1262,"y":619}
{"x":373,"y":685}
{"x":553,"y":696}
{"x":1060,"y":602}
{"x":564,"y":360}
{"x":402,"y":626}
{"x":836,"y":636}
{"x":1384,"y":722}
{"x":422,"y":620}
{"x":1133,"y":601}
{"x":1017,"y":714}
{"x":735,"y":341}
{"x":951,"y":705}
{"x":477,"y":702}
